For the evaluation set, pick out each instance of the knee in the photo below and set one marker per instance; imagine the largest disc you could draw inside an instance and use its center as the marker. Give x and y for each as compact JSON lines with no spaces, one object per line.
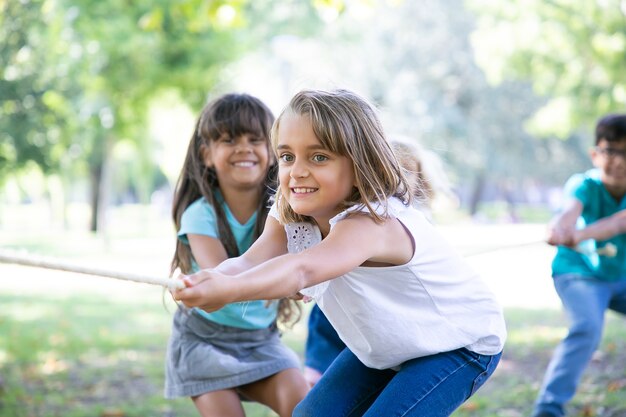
{"x":587,"y":332}
{"x":304,"y":408}
{"x":300,"y":411}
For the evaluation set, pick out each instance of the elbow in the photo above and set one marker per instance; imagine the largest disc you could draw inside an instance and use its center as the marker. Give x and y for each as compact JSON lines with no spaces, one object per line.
{"x":303,"y":276}
{"x":621,"y":224}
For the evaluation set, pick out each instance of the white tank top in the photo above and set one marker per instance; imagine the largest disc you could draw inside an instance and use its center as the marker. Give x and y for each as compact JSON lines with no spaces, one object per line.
{"x":388,"y":315}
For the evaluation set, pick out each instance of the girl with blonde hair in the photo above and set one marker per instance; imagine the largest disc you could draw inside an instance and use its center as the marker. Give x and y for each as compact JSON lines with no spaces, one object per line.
{"x":423,"y":332}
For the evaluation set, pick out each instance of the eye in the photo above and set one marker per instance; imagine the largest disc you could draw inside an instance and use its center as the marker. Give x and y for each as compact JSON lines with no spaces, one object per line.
{"x":226,"y":139}
{"x":320,"y":158}
{"x":257,"y":139}
{"x":286,"y":157}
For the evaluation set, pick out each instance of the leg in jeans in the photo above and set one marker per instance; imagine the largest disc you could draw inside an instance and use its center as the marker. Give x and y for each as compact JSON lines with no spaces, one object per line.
{"x":431,"y":386}
{"x":585,"y":301}
{"x":618,"y":300}
{"x":346,"y":389}
{"x":434,"y":386}
{"x":322,"y":346}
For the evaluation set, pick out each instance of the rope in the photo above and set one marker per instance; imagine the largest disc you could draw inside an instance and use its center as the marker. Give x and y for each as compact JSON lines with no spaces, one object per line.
{"x":609,"y":250}
{"x":48,"y":263}
{"x":506,"y":247}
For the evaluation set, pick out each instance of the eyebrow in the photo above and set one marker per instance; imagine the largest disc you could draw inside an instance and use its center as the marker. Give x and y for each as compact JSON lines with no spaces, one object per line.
{"x":312,"y":147}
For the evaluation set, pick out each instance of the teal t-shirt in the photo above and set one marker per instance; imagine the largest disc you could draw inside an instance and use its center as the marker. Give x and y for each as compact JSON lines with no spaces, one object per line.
{"x":199,"y":219}
{"x":597,"y":203}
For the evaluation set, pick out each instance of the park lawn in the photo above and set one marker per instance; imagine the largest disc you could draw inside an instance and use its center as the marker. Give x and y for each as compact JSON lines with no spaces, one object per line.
{"x":89,"y":354}
{"x":81,"y":346}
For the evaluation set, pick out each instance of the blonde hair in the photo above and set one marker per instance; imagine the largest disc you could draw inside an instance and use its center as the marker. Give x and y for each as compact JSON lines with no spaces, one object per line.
{"x":347,"y":125}
{"x":410,"y":158}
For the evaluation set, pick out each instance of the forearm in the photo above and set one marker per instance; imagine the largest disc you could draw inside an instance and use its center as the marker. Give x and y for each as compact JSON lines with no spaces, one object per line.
{"x":603,"y":229}
{"x":562,"y":227}
{"x":279,"y":277}
{"x":234,"y":266}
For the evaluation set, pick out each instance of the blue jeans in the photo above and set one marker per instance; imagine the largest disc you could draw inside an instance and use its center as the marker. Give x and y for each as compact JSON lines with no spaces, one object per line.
{"x":585,"y":300}
{"x":431,"y":386}
{"x":323,"y":344}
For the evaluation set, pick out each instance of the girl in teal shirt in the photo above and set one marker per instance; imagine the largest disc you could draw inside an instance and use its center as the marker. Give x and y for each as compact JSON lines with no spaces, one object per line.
{"x":220,"y":206}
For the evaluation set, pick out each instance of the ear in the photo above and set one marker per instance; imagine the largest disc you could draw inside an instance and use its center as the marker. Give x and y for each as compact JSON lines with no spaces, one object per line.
{"x":595,"y":156}
{"x":205,"y":155}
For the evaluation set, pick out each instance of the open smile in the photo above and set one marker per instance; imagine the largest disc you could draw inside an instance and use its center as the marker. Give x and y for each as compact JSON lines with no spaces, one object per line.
{"x":244,"y":164}
{"x":303,"y":190}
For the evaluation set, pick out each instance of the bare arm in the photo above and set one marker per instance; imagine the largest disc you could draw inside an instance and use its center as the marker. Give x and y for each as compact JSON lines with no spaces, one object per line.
{"x":208,"y":252}
{"x":562,"y":228}
{"x":341,"y":251}
{"x":603,"y":229}
{"x":271,"y":243}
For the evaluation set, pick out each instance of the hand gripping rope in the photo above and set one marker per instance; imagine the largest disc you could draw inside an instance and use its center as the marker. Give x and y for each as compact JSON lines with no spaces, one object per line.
{"x":48,"y":263}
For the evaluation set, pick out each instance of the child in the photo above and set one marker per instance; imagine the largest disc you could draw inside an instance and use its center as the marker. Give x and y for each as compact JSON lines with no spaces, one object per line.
{"x":323,"y":344}
{"x":220,"y":206}
{"x":423,"y":331}
{"x":587,"y":283}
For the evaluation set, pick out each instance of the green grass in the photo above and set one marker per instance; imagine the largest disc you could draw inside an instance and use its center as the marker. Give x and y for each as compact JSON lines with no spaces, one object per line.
{"x":80,"y":346}
{"x":85,"y":355}
{"x":92,"y":355}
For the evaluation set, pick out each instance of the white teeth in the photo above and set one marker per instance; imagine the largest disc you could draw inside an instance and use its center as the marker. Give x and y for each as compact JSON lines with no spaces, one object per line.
{"x":302,"y":190}
{"x":244,"y":164}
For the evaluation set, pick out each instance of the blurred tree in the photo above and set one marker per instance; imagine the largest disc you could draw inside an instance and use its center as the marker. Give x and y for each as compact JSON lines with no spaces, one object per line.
{"x":79,"y":75}
{"x":38,"y":65}
{"x":573,"y":52}
{"x":429,"y":87}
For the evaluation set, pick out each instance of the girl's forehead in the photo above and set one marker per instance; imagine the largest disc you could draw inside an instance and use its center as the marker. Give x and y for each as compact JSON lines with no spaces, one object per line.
{"x":296,"y":129}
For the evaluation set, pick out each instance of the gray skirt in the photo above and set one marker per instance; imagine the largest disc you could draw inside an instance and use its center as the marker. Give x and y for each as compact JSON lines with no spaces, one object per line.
{"x":204,"y":356}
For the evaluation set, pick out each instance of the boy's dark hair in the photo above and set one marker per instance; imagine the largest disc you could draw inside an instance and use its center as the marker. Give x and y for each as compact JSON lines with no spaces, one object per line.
{"x":611,"y":128}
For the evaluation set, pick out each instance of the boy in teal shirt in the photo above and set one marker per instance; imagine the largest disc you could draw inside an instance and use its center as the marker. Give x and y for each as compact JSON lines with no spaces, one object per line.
{"x":588,"y":278}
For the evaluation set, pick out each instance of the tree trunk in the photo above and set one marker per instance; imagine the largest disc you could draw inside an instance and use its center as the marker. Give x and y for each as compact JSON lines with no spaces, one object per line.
{"x":95,"y":179}
{"x":477,"y":192}
{"x":99,"y":182}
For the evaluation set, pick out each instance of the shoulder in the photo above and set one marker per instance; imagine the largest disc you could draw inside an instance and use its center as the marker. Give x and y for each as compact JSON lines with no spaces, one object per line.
{"x":393,"y":207}
{"x":583,"y":185}
{"x":584,"y":180}
{"x":198,"y":215}
{"x":273,"y":211}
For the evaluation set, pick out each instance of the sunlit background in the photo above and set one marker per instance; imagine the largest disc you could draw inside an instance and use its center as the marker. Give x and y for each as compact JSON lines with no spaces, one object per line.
{"x":98,"y":101}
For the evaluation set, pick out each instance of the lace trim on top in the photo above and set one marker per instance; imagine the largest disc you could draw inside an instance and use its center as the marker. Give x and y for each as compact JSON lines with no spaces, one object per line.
{"x":303,"y":235}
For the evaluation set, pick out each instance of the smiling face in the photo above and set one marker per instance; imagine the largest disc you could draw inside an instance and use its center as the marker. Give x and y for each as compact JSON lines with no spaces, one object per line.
{"x":314,"y":181}
{"x":239,"y":162}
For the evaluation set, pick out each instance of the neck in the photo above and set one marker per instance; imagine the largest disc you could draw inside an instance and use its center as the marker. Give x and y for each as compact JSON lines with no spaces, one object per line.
{"x":242,"y":203}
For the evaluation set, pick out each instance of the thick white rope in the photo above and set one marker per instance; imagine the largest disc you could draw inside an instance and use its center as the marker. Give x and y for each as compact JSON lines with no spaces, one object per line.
{"x":48,"y":263}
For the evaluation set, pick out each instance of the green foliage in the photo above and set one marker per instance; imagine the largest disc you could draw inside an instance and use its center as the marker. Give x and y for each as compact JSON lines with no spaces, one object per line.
{"x":35,"y":88}
{"x":79,"y":75}
{"x":571,"y":51}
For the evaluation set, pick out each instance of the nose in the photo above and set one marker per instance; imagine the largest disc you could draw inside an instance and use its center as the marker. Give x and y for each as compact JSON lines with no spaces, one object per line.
{"x":298,"y":170}
{"x":243,"y":146}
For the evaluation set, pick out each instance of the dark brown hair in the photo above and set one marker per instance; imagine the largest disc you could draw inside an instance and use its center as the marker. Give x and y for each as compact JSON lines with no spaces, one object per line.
{"x":232,"y":115}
